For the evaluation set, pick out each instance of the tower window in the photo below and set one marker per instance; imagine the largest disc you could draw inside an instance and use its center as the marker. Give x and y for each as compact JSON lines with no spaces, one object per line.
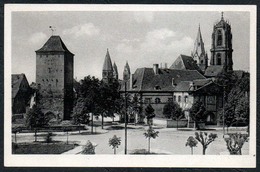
{"x":219,"y":38}
{"x":218,"y":59}
{"x":157,"y":100}
{"x":201,"y":61}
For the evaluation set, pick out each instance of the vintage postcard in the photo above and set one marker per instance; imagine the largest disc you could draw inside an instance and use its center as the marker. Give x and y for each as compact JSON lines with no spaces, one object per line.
{"x":130,"y":85}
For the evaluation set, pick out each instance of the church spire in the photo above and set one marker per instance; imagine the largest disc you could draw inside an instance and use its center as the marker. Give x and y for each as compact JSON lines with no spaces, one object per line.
{"x":198,"y":52}
{"x":115,"y":71}
{"x":107,"y":74}
{"x":126,"y":73}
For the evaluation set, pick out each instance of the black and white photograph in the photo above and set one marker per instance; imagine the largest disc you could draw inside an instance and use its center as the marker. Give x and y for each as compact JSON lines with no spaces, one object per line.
{"x":130,"y":85}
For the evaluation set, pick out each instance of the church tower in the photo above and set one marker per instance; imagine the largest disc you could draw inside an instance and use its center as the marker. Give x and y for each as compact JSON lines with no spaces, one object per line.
{"x":107,"y":74}
{"x":115,"y":71}
{"x":221,"y":47}
{"x":126,"y":73}
{"x":54,"y":78}
{"x":199,"y":55}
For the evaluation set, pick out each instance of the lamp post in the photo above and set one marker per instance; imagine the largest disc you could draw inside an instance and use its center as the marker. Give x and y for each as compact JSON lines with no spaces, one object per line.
{"x":125,"y":120}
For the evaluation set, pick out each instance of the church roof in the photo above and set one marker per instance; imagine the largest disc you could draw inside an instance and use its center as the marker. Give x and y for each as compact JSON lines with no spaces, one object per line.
{"x":184,"y":62}
{"x":54,"y":44}
{"x":213,"y":71}
{"x":144,"y":79}
{"x":107,"y":63}
{"x":16,"y":82}
{"x":185,"y":86}
{"x":222,"y":22}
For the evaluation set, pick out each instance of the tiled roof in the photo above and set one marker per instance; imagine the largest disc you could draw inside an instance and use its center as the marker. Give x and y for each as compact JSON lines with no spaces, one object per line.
{"x":183,"y":86}
{"x":184,"y":62}
{"x":54,"y":44}
{"x":239,"y":73}
{"x":213,"y":71}
{"x":16,"y":82}
{"x":107,"y":63}
{"x":144,"y":79}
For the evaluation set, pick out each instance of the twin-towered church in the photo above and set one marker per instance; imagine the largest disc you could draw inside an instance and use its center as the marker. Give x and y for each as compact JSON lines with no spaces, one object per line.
{"x":187,"y":80}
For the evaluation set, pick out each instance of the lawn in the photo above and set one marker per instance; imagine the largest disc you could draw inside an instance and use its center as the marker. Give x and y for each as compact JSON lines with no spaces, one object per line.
{"x":41,"y":148}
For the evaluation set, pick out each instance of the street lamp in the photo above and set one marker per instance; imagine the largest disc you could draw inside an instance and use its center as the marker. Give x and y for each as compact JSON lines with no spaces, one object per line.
{"x":125,"y":120}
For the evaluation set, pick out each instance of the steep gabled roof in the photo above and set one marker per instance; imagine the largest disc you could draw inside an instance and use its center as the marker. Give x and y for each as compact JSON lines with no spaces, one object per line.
{"x":213,"y":71}
{"x":16,"y":82}
{"x":184,"y":62}
{"x":54,"y":44}
{"x":144,"y":79}
{"x":107,"y":66}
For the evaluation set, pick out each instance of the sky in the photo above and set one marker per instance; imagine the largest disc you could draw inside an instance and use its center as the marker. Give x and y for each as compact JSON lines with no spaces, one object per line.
{"x":141,"y":38}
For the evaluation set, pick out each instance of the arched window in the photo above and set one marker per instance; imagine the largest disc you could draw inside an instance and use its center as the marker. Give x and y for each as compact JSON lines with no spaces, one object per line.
{"x":186,"y":99}
{"x":179,"y":98}
{"x":219,"y":38}
{"x":218,"y":59}
{"x":157,"y":100}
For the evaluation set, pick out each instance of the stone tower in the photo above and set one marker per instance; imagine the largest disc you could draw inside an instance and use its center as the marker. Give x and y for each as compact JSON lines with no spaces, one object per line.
{"x":115,"y":71}
{"x":107,"y":74}
{"x":54,"y":78}
{"x":221,"y":47}
{"x":198,"y":53}
{"x":126,"y":73}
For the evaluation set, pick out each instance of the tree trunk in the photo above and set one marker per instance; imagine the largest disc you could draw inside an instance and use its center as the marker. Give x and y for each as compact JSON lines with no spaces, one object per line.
{"x":92,"y":123}
{"x":79,"y":128}
{"x":35,"y":135}
{"x":114,"y":150}
{"x":149,"y":145}
{"x":102,"y":121}
{"x":67,"y":137}
{"x":191,"y":150}
{"x":203,"y":150}
{"x":177,"y":122}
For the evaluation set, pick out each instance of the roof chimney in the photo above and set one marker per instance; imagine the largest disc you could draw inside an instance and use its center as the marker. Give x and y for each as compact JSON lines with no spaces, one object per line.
{"x":155,"y":69}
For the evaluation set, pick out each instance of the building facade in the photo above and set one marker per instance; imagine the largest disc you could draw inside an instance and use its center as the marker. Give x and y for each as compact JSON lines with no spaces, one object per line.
{"x":54,"y":78}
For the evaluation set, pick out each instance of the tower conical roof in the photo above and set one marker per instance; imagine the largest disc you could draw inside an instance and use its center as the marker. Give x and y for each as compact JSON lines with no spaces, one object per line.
{"x":115,"y":68}
{"x":54,"y":44}
{"x":127,"y":67}
{"x":199,"y":45}
{"x":107,"y":63}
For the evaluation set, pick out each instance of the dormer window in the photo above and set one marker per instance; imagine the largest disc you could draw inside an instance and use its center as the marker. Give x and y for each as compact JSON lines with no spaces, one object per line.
{"x":157,"y":100}
{"x":157,"y":87}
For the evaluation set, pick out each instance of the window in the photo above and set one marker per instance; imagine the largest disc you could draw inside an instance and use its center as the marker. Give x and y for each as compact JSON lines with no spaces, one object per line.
{"x":201,"y":62}
{"x":49,"y":70}
{"x":219,"y":38}
{"x":218,"y":59}
{"x":186,"y":99}
{"x":147,"y":100}
{"x":179,"y":98}
{"x":174,"y":98}
{"x":157,"y":87}
{"x":157,"y":100}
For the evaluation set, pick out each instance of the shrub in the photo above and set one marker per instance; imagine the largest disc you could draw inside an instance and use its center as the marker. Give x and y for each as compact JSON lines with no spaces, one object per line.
{"x":48,"y":137}
{"x":191,"y":142}
{"x":114,"y":142}
{"x":205,"y":139}
{"x":89,"y":148}
{"x":235,"y":143}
